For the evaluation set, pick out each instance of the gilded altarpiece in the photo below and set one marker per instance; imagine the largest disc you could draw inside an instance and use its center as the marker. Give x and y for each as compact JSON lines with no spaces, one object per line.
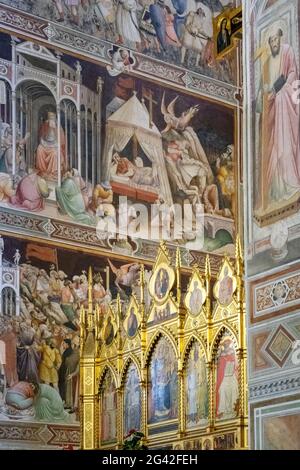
{"x":171,"y":365}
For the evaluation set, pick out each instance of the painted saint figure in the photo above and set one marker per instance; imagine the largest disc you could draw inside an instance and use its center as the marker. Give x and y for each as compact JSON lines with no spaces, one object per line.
{"x":132,"y":324}
{"x":196,"y":389}
{"x":161,"y":283}
{"x":196,"y":300}
{"x":223,"y":39}
{"x":225,"y":289}
{"x":132,"y":408}
{"x":163,"y":383}
{"x":109,"y":409}
{"x":280,"y":114}
{"x":47,"y":151}
{"x":227,"y":387}
{"x":109,"y":332}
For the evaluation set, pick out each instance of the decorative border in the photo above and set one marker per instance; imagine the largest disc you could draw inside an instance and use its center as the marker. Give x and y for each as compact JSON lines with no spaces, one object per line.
{"x":258,"y":290}
{"x":67,"y":234}
{"x":38,"y":434}
{"x":272,"y":387}
{"x":54,"y":34}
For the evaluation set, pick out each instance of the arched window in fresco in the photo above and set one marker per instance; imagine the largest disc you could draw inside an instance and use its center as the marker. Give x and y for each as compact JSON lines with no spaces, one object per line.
{"x":109,"y":409}
{"x":132,"y":401}
{"x":8,"y":302}
{"x":196,"y":387}
{"x":162,"y":383}
{"x":227,"y":383}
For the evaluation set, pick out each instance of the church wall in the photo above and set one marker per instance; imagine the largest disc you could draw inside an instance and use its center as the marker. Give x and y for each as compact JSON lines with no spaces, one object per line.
{"x":68,"y":69}
{"x":272,"y":236}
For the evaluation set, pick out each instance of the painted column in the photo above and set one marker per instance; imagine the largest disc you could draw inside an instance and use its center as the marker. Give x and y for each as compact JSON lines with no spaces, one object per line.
{"x":14,"y":106}
{"x":86,"y":146}
{"x":58,"y":121}
{"x":99,"y":114}
{"x":78,"y":76}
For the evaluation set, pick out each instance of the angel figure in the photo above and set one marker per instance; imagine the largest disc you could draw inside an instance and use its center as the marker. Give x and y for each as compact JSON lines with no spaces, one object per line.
{"x":126,"y":275}
{"x":177,"y":123}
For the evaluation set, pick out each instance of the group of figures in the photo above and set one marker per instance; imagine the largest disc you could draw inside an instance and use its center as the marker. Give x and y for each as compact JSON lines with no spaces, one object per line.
{"x":163,"y":390}
{"x":39,"y":348}
{"x":178,"y":168}
{"x":176,"y":30}
{"x":29,"y":188}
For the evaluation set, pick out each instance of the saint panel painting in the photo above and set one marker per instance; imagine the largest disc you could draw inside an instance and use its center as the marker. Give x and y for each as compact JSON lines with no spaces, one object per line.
{"x":196,"y":387}
{"x":162,"y":382}
{"x":109,"y":409}
{"x":227,"y":386}
{"x":132,"y":401}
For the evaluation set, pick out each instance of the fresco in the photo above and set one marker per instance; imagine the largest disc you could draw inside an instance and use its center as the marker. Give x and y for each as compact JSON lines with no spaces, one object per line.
{"x":163,"y":383}
{"x":42,"y":291}
{"x":227,"y":389}
{"x":132,"y":401}
{"x":176,"y":31}
{"x":196,"y":389}
{"x":109,"y":409}
{"x":273,"y":204}
{"x":93,"y":149}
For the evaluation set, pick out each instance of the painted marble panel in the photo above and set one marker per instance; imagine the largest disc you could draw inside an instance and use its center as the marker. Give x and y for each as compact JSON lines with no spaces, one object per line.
{"x":277,"y":425}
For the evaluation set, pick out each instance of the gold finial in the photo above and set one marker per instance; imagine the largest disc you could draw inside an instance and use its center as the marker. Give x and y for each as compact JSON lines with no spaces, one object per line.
{"x":82,"y":316}
{"x":238,"y":255}
{"x":142,"y":275}
{"x":178,"y":266}
{"x":119,"y":312}
{"x":178,"y":258}
{"x":82,"y":324}
{"x":238,"y":248}
{"x":119,"y":306}
{"x":90,"y":289}
{"x":142,"y":282}
{"x":207,"y":267}
{"x":97,"y":322}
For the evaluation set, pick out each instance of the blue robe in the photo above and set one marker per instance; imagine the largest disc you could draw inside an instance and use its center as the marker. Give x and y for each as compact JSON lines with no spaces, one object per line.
{"x":180,"y":16}
{"x":158,"y":20}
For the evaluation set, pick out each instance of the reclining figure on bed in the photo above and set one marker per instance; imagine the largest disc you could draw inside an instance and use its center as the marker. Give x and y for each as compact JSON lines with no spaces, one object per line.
{"x":134,"y":172}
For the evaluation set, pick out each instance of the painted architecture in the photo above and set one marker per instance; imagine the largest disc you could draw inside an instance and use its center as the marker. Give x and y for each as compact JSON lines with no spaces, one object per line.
{"x":123,"y":124}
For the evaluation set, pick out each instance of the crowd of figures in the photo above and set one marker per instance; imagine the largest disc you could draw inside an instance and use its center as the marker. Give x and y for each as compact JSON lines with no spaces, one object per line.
{"x":39,"y":349}
{"x":180,"y":31}
{"x":196,"y":173}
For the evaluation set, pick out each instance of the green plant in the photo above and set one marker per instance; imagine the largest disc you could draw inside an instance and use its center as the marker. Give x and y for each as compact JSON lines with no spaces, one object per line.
{"x":133,"y":441}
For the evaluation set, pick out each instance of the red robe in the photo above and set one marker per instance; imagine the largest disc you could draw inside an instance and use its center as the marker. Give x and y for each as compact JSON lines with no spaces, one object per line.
{"x":283,"y":120}
{"x":47,"y":156}
{"x":220,"y":374}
